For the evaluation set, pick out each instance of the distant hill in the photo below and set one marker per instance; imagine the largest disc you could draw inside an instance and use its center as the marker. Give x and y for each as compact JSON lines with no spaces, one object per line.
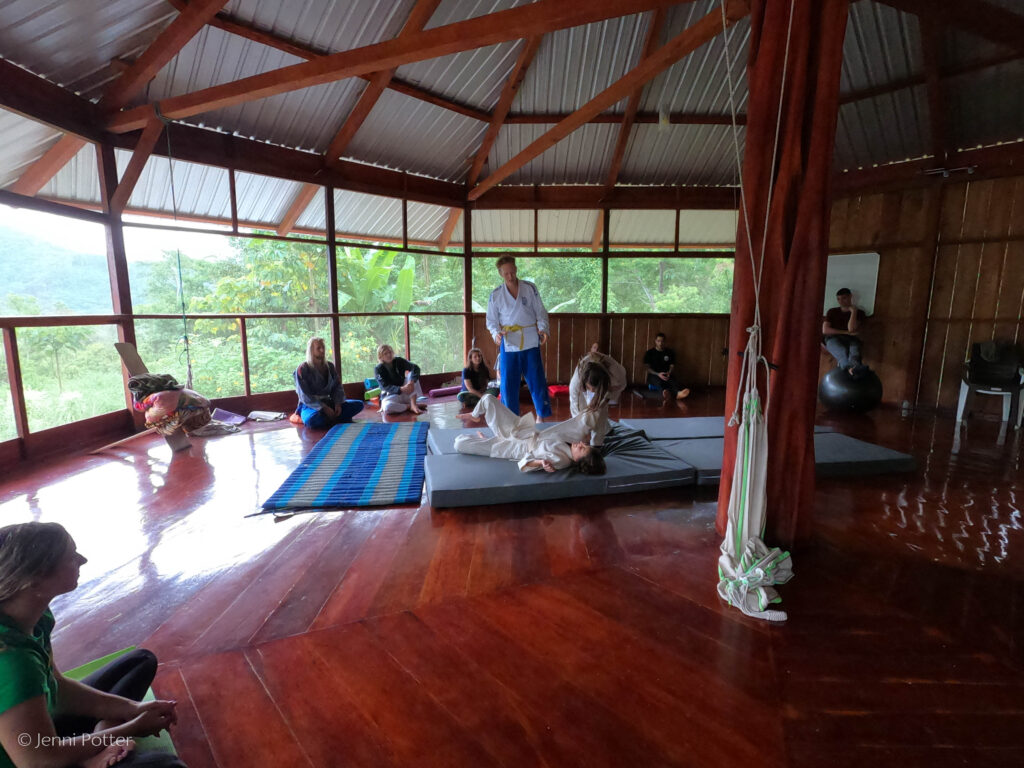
{"x":51,"y":274}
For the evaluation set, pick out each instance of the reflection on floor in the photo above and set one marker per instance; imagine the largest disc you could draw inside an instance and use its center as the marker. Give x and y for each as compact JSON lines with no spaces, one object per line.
{"x":563,"y":633}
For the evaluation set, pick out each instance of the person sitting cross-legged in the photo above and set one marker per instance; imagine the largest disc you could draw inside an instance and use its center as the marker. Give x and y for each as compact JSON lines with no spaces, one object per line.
{"x":322,"y":400}
{"x":516,"y":438}
{"x":476,"y":379}
{"x":399,"y":382}
{"x":660,"y":361}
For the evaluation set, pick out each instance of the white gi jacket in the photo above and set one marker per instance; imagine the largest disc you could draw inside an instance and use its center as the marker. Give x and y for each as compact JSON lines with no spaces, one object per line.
{"x":526,"y":310}
{"x":578,"y":393}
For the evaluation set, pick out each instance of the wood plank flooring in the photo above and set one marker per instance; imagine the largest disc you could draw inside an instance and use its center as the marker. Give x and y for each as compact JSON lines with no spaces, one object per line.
{"x":571,"y":633}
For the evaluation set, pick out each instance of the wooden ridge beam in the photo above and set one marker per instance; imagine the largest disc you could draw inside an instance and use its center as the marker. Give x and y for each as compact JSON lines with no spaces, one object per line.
{"x":647,"y":118}
{"x":172,"y":39}
{"x":524,"y":21}
{"x":36,"y":176}
{"x":682,"y":44}
{"x":143,"y":149}
{"x":978,"y":17}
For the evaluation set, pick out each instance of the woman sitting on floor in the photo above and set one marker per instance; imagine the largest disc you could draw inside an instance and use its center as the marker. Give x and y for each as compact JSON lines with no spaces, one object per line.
{"x":399,"y":382}
{"x":517,"y":438}
{"x":46,"y":718}
{"x":475,"y":379}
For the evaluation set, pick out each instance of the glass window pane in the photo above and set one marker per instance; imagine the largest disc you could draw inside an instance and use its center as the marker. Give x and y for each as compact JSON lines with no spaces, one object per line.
{"x":215,"y":349}
{"x":360,"y":337}
{"x":225,"y":274}
{"x":52,"y":265}
{"x":371,"y":280}
{"x":670,"y":285}
{"x":277,"y":346}
{"x":436,"y":343}
{"x":437,"y":284}
{"x":566,"y":284}
{"x":8,"y":431}
{"x":69,"y":373}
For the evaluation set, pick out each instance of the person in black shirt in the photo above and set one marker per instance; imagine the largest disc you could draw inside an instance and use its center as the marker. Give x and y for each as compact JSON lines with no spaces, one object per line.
{"x":840,"y":330}
{"x":399,"y":382}
{"x":660,"y":360}
{"x":475,"y":379}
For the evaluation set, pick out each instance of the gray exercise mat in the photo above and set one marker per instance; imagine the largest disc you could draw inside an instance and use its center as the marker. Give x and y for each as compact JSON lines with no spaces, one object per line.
{"x":689,"y":428}
{"x":634,"y":464}
{"x":443,"y":440}
{"x":835,"y":455}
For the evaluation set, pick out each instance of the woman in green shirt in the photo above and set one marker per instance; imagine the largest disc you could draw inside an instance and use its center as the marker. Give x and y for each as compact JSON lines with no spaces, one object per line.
{"x":47,"y":719}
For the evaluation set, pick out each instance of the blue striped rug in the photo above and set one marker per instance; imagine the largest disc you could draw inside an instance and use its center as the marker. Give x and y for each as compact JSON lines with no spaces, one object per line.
{"x":358,"y":465}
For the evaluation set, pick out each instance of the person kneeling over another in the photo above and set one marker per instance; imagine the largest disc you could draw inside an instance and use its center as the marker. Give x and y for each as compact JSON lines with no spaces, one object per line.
{"x":517,"y":438}
{"x":399,"y":382}
{"x":47,"y":719}
{"x":322,"y":400}
{"x":475,"y":379}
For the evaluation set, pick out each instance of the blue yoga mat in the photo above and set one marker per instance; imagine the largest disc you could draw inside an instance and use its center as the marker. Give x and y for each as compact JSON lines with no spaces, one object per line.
{"x":358,"y":465}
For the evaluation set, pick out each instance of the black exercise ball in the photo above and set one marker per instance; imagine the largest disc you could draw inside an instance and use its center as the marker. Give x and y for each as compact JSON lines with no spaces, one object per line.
{"x":839,"y":391}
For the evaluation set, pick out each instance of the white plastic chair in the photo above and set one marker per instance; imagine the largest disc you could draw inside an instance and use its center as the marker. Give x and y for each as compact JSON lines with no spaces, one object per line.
{"x":1011,"y":393}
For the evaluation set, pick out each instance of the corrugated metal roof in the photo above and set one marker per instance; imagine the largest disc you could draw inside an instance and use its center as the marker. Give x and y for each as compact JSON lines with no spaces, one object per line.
{"x":73,"y":43}
{"x":697,"y":83}
{"x":308,"y":118}
{"x":417,"y":137}
{"x":325,"y":25}
{"x":315,"y":215}
{"x":574,"y":65}
{"x":426,"y":221}
{"x":988,"y":107}
{"x":24,"y":141}
{"x":881,"y":45}
{"x":883,"y":129}
{"x":681,"y":154}
{"x":472,"y":77}
{"x":260,"y":198}
{"x":566,"y":226}
{"x":658,"y":227}
{"x":499,"y":226}
{"x":372,"y":215}
{"x":580,"y":158}
{"x":79,"y":180}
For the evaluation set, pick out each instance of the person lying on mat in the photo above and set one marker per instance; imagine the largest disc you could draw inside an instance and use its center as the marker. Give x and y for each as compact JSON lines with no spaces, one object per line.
{"x":517,"y":438}
{"x":399,"y":382}
{"x":475,"y":379}
{"x":322,"y":400}
{"x":46,"y":718}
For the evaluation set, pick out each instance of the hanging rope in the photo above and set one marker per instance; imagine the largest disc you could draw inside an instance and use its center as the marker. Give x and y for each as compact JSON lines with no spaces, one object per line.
{"x":181,"y":282}
{"x":747,"y":568}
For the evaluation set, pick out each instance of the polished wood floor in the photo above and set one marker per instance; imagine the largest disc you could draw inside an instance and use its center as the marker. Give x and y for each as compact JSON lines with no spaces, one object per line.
{"x":580,"y":633}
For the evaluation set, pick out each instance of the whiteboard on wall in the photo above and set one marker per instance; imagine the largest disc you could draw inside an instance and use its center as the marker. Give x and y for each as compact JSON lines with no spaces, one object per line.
{"x":856,"y":271}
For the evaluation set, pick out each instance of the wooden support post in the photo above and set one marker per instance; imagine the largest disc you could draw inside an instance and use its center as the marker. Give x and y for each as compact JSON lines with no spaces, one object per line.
{"x":233,"y":192}
{"x":243,"y":334}
{"x":17,"y":387}
{"x":923,"y":286}
{"x":332,"y":277}
{"x":467,"y":281}
{"x":606,"y":322}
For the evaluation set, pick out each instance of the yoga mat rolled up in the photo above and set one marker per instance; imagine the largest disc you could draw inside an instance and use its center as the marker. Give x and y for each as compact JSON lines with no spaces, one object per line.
{"x":444,"y":391}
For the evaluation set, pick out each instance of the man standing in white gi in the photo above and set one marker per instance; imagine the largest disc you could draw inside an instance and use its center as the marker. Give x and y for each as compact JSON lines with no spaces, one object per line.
{"x":518,"y":323}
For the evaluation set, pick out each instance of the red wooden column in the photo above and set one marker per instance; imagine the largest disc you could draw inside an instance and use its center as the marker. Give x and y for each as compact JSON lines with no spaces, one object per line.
{"x":793,"y":222}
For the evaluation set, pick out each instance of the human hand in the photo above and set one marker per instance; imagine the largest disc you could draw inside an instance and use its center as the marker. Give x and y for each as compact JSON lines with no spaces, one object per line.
{"x":406,"y":388}
{"x":594,"y":348}
{"x":152,"y":717}
{"x":547,"y":466}
{"x":663,"y":376}
{"x":543,"y":335}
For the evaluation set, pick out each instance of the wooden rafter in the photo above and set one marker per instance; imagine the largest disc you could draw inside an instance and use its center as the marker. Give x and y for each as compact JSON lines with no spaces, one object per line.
{"x":978,"y":17}
{"x":508,"y":95}
{"x":931,"y":57}
{"x":172,"y":39}
{"x":36,"y":176}
{"x":133,"y":79}
{"x":418,"y":18}
{"x":682,"y":44}
{"x":523,"y":21}
{"x":232,"y":26}
{"x":632,"y":107}
{"x":150,"y":135}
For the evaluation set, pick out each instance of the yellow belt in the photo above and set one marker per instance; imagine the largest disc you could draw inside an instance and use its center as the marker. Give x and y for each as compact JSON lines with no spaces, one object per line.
{"x":519,"y":328}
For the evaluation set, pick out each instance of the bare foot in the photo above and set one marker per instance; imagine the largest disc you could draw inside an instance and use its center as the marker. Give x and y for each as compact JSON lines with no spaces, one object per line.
{"x":665,"y":397}
{"x":467,"y":417}
{"x":682,"y":394}
{"x":295,"y":419}
{"x":111,"y":755}
{"x":415,"y":409}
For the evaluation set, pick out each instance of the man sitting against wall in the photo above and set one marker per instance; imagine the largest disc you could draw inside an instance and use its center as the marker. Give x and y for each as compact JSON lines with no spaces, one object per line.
{"x":660,"y":361}
{"x":322,"y":400}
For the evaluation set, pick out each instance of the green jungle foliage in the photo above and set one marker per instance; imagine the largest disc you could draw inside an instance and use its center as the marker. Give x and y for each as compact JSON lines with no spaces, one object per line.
{"x":73,"y":372}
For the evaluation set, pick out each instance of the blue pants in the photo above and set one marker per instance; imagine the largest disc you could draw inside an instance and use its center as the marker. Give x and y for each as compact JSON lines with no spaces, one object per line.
{"x":845,"y":350}
{"x":314,"y":418}
{"x":528,"y":363}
